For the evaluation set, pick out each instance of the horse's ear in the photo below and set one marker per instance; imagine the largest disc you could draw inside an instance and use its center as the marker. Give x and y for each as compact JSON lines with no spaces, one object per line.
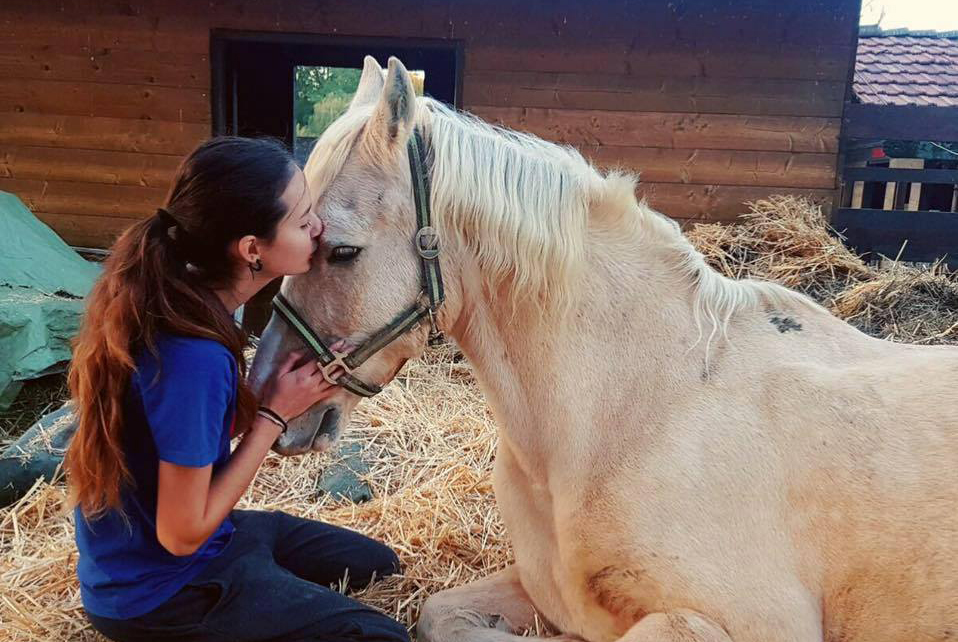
{"x":370,"y":83}
{"x":392,"y":120}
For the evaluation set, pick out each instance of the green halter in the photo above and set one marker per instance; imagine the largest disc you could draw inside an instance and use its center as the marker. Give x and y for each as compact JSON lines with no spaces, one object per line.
{"x":427,"y":305}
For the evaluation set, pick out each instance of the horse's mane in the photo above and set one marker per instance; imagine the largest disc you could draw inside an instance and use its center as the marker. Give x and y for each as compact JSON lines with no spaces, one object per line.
{"x":522,"y":205}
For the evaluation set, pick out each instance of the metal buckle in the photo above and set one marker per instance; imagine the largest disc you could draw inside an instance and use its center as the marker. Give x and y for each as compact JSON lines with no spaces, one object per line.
{"x":427,"y":242}
{"x":336,"y":362}
{"x":435,"y":334}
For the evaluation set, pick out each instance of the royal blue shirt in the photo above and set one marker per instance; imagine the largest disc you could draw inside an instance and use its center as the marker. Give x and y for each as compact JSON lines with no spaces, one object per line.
{"x":178,"y":409}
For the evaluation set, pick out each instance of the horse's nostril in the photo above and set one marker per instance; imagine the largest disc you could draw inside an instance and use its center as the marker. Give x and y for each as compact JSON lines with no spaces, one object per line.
{"x":329,"y":422}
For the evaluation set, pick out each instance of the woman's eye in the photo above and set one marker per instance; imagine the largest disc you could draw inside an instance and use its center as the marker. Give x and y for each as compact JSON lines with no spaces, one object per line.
{"x":344,"y":253}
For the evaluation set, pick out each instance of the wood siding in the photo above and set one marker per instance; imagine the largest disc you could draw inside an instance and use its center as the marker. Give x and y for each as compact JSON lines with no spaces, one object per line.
{"x":713,"y":102}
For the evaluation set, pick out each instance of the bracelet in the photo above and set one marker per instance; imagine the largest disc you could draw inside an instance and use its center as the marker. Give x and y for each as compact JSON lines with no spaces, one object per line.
{"x":272,"y":415}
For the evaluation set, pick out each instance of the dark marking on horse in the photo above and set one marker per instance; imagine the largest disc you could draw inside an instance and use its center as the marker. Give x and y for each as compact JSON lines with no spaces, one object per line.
{"x":786,"y":324}
{"x":614,"y":587}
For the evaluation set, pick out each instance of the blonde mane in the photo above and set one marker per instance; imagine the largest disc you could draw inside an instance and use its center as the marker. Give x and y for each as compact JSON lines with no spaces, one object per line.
{"x":519,"y":203}
{"x":522,"y":205}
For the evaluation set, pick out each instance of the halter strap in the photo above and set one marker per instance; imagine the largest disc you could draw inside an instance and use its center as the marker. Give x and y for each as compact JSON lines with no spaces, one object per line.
{"x":427,"y":305}
{"x":326,"y":357}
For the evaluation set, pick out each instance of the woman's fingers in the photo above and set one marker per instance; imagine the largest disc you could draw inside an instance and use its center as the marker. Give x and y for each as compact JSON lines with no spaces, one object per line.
{"x":334,"y":374}
{"x":289,"y":362}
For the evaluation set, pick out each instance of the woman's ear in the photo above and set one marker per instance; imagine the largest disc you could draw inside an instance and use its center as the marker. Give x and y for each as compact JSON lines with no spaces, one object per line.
{"x":248,"y":249}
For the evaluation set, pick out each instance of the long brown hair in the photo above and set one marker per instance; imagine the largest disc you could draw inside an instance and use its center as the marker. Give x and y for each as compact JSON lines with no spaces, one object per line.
{"x":160,"y":277}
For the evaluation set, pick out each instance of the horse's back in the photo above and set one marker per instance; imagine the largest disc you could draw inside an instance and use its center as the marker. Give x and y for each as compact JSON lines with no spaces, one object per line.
{"x":882,"y":499}
{"x":860,"y":437}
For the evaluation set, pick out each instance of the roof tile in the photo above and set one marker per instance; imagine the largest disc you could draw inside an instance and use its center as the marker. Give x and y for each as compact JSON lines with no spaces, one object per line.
{"x":907,"y":69}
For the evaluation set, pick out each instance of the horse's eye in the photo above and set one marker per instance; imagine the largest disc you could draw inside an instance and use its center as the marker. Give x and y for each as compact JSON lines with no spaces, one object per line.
{"x":344,"y":253}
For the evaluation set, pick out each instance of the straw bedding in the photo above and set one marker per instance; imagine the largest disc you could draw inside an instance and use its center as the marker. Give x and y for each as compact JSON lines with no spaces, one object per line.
{"x":430,"y":439}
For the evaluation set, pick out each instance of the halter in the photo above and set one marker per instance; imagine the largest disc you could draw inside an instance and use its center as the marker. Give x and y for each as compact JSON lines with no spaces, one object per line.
{"x":427,"y":304}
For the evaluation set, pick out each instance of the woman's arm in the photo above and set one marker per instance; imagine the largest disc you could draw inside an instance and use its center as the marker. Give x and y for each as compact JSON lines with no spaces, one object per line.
{"x":191,"y":503}
{"x":191,"y":506}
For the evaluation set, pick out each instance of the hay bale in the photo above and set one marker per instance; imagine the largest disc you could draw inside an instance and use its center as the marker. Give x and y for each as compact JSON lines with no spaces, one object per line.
{"x":903,"y":304}
{"x":784,"y":239}
{"x":788,"y":240}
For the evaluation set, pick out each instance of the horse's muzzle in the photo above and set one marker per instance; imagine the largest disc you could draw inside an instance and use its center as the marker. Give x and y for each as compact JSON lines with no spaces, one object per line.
{"x":317,"y":430}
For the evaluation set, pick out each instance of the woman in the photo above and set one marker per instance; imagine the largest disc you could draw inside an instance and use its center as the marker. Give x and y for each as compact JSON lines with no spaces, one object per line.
{"x":158,"y":381}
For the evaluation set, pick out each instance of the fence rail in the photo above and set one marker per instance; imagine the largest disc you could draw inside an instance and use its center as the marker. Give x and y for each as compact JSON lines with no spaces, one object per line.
{"x":912,"y":236}
{"x":891,"y":175}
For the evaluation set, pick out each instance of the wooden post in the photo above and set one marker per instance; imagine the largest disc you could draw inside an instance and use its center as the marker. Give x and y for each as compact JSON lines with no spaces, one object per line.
{"x":889,"y":203}
{"x":915,"y":193}
{"x":858,"y":188}
{"x":858,"y":191}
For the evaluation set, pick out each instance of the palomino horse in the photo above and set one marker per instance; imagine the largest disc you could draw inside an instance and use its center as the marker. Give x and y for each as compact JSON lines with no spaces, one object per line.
{"x":682,"y":457}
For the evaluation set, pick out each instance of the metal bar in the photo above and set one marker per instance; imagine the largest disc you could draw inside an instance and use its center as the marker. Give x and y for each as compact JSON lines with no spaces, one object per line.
{"x":885,"y":175}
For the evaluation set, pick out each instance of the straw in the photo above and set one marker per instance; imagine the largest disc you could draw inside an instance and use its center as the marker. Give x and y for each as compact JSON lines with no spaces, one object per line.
{"x":430,"y":441}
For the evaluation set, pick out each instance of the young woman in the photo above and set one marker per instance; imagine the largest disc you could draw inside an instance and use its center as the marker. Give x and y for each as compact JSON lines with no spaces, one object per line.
{"x":158,"y":381}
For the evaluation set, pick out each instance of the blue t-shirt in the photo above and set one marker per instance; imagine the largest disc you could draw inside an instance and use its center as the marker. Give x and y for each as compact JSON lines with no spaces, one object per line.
{"x":178,"y":409}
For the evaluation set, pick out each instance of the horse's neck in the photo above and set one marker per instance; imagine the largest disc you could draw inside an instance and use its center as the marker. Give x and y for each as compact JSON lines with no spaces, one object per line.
{"x":543,"y":379}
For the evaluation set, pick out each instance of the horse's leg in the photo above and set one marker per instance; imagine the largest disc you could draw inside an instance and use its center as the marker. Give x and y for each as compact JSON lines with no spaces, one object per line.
{"x":792,"y":623}
{"x":492,"y":609}
{"x":680,"y":625}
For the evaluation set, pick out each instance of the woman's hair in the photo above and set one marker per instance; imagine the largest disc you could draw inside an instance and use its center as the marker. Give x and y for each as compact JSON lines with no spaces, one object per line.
{"x":160,"y":277}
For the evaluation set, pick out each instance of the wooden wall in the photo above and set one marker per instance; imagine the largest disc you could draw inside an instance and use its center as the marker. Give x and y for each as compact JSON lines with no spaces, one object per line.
{"x":714,"y":101}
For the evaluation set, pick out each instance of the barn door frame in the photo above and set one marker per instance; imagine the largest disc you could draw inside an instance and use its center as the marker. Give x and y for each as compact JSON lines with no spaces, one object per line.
{"x":441,"y":59}
{"x":252,"y":89}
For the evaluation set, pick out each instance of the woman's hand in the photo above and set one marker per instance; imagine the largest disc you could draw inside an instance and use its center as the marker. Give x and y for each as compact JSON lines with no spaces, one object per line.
{"x":192,"y":502}
{"x":294,"y":389}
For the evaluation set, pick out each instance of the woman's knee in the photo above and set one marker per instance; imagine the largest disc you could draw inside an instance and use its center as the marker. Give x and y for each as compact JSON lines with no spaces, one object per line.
{"x":387,"y":562}
{"x":376,"y":562}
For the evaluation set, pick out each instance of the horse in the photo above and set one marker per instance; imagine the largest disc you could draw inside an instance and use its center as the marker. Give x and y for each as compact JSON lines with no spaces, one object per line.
{"x":682,"y":456}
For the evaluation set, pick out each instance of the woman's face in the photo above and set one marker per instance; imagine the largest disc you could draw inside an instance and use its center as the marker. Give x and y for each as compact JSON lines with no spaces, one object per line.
{"x":297,"y":235}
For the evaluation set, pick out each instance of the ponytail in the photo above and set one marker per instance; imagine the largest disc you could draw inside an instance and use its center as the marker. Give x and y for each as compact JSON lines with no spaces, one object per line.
{"x":160,"y":278}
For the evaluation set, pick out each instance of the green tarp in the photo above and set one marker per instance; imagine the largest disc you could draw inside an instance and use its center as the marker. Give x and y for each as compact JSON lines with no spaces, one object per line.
{"x":42,"y":284}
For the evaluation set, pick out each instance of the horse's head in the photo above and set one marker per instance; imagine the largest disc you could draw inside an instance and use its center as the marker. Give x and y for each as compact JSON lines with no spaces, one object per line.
{"x":367,"y":270}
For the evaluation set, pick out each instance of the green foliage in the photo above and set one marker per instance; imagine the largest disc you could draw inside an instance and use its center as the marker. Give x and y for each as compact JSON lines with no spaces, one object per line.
{"x":323,"y":93}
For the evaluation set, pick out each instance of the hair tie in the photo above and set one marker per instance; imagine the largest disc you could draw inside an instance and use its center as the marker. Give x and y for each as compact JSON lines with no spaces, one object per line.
{"x":171,"y":224}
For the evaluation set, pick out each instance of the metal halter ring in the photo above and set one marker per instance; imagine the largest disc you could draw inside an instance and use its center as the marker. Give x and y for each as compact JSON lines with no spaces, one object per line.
{"x":337,"y":362}
{"x":427,"y":243}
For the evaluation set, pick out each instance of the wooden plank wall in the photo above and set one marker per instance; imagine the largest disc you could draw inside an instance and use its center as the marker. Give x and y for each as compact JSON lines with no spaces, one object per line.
{"x":714,"y":101}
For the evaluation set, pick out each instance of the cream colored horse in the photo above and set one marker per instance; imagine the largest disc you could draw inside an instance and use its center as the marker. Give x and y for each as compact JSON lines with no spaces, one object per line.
{"x":683,"y":457}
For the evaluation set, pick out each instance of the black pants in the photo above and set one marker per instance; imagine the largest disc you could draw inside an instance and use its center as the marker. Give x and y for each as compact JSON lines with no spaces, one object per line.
{"x":270,"y":584}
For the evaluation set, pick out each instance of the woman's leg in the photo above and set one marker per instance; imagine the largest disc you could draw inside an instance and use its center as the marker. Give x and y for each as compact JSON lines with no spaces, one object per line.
{"x":319,"y":552}
{"x":179,"y":619}
{"x":244,"y":595}
{"x":264,"y":602}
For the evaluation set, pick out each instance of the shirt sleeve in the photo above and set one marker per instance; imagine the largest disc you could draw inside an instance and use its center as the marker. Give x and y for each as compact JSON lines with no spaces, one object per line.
{"x":188,"y":401}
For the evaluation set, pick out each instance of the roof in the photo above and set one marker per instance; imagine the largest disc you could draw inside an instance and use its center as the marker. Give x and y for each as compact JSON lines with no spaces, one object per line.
{"x":902,"y":67}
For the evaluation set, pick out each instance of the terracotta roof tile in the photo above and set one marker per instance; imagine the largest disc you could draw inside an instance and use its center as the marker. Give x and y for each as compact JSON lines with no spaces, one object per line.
{"x":907,"y":69}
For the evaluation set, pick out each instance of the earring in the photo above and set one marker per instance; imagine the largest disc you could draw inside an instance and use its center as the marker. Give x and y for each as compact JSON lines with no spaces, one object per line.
{"x":256,"y":266}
